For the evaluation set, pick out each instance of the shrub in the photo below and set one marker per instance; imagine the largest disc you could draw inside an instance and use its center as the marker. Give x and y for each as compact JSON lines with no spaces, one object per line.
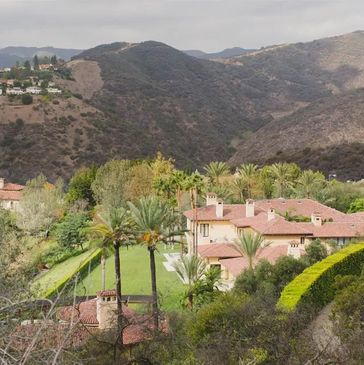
{"x":69,"y":232}
{"x":315,"y":287}
{"x":56,"y":255}
{"x":27,"y":99}
{"x":315,"y":252}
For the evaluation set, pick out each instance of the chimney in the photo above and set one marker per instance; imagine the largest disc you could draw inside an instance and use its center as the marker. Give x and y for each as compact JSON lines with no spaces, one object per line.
{"x":211,"y":199}
{"x":316,"y":219}
{"x":293,"y":250}
{"x":249,"y":208}
{"x":271,"y":214}
{"x":2,"y":183}
{"x":219,"y":208}
{"x":106,"y":310}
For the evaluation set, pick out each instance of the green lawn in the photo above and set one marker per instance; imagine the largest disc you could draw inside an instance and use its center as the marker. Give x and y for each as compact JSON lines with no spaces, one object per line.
{"x":57,"y":273}
{"x":136,"y":277}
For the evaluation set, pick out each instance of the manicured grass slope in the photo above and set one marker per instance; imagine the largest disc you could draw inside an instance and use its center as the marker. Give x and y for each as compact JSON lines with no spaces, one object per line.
{"x":51,"y":279}
{"x":136,"y":277}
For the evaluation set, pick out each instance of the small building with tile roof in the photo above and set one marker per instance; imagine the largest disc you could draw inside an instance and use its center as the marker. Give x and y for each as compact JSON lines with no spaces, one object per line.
{"x":10,"y":195}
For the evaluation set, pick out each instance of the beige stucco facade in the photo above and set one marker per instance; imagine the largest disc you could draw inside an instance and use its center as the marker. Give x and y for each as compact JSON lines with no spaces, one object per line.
{"x":10,"y":204}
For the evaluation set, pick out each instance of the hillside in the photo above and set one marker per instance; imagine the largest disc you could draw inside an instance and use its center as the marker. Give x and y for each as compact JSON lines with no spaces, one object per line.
{"x":271,"y":104}
{"x":331,"y":69}
{"x":326,"y":135}
{"x":10,"y":55}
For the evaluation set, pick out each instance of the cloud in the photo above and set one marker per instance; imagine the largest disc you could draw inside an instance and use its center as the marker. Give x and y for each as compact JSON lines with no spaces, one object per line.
{"x":186,"y":24}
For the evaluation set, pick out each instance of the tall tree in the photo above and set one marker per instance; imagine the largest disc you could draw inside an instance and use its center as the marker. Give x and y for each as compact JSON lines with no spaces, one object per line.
{"x":27,"y":65}
{"x":249,"y":245}
{"x":54,"y":60}
{"x":309,"y":183}
{"x":111,"y":183}
{"x":248,"y":175}
{"x":41,"y":205}
{"x":282,"y":175}
{"x":115,"y":228}
{"x":79,"y":187}
{"x":154,"y":225}
{"x":194,"y":184}
{"x":216,"y":170}
{"x":36,"y":63}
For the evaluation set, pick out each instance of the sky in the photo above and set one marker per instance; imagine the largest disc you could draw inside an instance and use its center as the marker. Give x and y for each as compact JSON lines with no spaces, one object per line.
{"x":208,"y":25}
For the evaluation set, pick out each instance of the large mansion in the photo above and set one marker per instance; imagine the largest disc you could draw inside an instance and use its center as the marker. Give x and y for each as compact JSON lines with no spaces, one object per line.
{"x":287,"y":224}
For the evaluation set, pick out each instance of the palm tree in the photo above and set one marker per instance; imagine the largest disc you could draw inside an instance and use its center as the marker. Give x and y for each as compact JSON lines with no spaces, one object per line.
{"x":309,"y":183}
{"x":248,"y":175}
{"x":177,"y":182}
{"x":154,"y":224}
{"x":282,"y":178}
{"x":115,"y":228}
{"x":190,"y":269}
{"x":249,"y":244}
{"x":215,"y":170}
{"x":194,"y":184}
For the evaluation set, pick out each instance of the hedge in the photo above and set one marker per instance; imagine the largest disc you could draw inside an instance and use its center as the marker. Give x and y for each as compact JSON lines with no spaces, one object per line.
{"x":315,"y":286}
{"x":92,"y":260}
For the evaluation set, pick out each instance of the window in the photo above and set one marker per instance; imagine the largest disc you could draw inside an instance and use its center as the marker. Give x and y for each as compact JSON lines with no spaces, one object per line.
{"x":302,"y":240}
{"x":204,"y":229}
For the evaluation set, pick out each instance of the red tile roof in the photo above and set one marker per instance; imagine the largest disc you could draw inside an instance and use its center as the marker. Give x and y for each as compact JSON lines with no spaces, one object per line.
{"x":218,"y":250}
{"x":85,"y":312}
{"x":10,"y":195}
{"x":13,"y":187}
{"x":11,"y":192}
{"x":342,"y":225}
{"x":359,"y":216}
{"x":231,"y":211}
{"x":276,"y":226}
{"x":303,"y":207}
{"x":270,"y":253}
{"x":138,"y":330}
{"x":335,"y":229}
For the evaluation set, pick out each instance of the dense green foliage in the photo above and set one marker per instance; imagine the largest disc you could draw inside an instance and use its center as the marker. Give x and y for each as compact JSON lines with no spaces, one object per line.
{"x":315,"y":286}
{"x":357,"y":206}
{"x":79,"y":187}
{"x":27,"y":99}
{"x":69,"y":232}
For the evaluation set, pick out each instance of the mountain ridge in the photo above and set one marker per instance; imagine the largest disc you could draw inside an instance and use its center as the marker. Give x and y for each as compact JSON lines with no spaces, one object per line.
{"x":148,"y":97}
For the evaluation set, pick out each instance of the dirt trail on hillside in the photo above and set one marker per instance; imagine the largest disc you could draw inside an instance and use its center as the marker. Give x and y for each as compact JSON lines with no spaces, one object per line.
{"x":87,"y":75}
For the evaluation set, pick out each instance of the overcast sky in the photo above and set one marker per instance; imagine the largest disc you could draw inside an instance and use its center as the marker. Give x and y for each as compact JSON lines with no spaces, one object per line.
{"x":208,"y":25}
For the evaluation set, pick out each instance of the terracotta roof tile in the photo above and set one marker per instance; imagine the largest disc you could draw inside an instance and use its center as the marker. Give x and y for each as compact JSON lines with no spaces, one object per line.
{"x":303,"y":207}
{"x":276,"y":226}
{"x":231,"y":211}
{"x":10,"y":195}
{"x":13,"y":187}
{"x":335,"y":229}
{"x":270,"y":253}
{"x":218,"y":250}
{"x":11,"y":192}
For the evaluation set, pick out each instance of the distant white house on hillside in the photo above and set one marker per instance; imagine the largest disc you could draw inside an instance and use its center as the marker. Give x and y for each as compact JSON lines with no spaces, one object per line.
{"x":15,"y":91}
{"x":33,"y":90}
{"x":53,"y":90}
